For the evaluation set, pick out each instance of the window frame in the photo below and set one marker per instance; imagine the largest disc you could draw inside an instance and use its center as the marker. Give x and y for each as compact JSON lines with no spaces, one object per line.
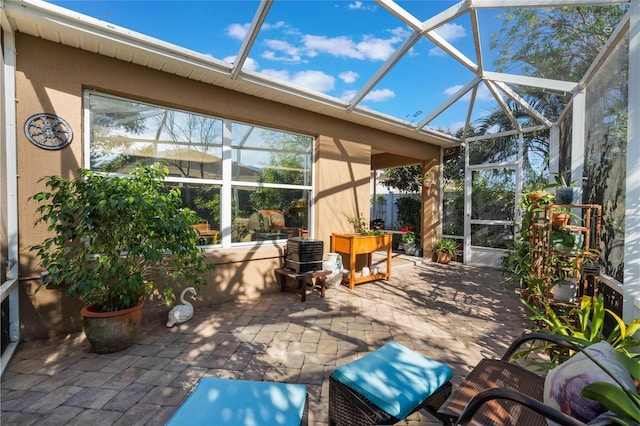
{"x":226,"y":184}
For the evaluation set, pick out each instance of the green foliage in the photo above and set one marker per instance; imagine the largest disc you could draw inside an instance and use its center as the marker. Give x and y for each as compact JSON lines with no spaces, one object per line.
{"x":405,"y":179}
{"x":286,"y":166}
{"x":557,"y":43}
{"x":409,"y":235}
{"x":109,"y":236}
{"x":360,"y":225}
{"x":445,"y":245}
{"x":409,"y":212}
{"x":210,"y":201}
{"x":589,"y":327}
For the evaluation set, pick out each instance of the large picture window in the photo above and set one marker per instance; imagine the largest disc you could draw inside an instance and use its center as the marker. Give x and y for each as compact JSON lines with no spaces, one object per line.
{"x":246,"y":183}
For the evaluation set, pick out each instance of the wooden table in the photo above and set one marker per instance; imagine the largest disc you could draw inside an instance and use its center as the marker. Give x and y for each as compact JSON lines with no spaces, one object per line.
{"x":355,"y":244}
{"x":303,"y":279}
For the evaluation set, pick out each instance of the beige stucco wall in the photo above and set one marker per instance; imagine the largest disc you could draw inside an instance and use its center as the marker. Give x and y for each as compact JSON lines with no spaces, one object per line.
{"x":51,"y":78}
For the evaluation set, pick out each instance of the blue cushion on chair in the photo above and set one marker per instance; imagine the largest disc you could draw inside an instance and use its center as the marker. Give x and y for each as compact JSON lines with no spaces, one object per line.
{"x":394,"y":378}
{"x":243,"y":403}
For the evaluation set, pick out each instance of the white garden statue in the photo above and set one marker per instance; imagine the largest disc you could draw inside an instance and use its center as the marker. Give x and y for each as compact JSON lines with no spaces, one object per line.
{"x":183,"y":312}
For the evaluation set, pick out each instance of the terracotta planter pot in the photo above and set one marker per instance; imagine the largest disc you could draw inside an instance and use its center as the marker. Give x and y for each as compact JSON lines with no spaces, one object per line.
{"x":562,"y":219}
{"x":111,"y":331}
{"x":534,"y":197}
{"x":443,"y":257}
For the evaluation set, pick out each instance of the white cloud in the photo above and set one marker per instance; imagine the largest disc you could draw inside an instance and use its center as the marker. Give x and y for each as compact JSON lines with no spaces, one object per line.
{"x":348,"y":76}
{"x":450,"y":91}
{"x":250,"y":64}
{"x":237,"y":31}
{"x":289,"y":53}
{"x":358,"y":5}
{"x":277,"y":25}
{"x":453,"y":127}
{"x":369,"y":48}
{"x":272,"y":56}
{"x":314,"y":80}
{"x":450,"y":32}
{"x":380,"y":95}
{"x":347,"y":95}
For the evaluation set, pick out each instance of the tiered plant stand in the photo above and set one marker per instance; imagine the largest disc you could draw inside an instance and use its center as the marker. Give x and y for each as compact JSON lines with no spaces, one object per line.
{"x":355,"y":244}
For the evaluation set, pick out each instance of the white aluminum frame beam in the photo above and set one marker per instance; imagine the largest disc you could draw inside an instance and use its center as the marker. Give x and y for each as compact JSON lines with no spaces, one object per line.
{"x":475,"y":27}
{"x":8,"y":123}
{"x":383,"y":70}
{"x":452,"y":51}
{"x":503,"y":105}
{"x":250,"y":37}
{"x":510,"y":4}
{"x":446,"y":104}
{"x":523,"y":103}
{"x":542,"y":83}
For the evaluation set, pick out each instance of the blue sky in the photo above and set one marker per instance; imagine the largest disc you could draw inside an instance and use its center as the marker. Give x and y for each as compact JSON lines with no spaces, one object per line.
{"x":331,"y":46}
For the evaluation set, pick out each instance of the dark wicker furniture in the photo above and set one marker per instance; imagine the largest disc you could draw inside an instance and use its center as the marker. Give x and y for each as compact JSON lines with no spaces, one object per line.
{"x":500,"y":392}
{"x":349,"y":408}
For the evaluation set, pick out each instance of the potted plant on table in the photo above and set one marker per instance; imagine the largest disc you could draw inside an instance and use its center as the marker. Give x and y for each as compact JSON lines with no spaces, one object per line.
{"x":109,"y":238}
{"x":444,"y":250}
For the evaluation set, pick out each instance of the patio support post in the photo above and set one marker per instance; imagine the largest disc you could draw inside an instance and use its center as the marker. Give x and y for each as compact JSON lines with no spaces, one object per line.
{"x":631,"y":287}
{"x":9,"y":179}
{"x":578,"y":137}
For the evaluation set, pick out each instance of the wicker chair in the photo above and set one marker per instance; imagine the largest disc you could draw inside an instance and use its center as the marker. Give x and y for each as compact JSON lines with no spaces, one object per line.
{"x":496,"y":392}
{"x":500,"y":392}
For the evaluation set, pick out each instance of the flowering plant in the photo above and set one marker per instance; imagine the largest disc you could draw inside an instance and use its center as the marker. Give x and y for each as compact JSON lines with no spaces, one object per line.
{"x":409,"y":235}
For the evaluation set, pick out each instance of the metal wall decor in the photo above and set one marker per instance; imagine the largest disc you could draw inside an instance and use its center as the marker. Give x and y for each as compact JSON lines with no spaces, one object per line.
{"x":48,"y":131}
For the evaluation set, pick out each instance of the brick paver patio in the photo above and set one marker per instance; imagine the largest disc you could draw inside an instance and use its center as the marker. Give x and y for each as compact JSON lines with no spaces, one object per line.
{"x":453,"y":313}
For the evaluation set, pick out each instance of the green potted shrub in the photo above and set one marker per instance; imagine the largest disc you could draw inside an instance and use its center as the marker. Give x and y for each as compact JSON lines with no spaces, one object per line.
{"x":109,"y":239}
{"x":444,"y":250}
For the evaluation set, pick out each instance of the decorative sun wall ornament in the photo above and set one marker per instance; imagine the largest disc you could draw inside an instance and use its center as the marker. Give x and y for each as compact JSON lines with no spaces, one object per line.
{"x":48,"y":131}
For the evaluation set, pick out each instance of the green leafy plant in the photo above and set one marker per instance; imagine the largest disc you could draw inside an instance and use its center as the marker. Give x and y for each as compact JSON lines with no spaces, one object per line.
{"x":623,"y":403}
{"x":111,"y":236}
{"x":585,"y":325}
{"x":409,"y":235}
{"x":360,"y":225}
{"x":445,"y":245}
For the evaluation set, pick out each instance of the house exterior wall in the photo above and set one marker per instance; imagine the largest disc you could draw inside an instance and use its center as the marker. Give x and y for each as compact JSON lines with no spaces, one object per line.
{"x":51,"y":78}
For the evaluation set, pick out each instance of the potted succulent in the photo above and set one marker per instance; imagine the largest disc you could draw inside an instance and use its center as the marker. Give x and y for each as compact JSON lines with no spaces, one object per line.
{"x":110,"y":237}
{"x":444,"y":250}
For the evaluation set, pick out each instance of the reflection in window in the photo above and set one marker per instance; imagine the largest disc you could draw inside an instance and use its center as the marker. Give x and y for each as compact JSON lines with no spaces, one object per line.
{"x":494,"y":236}
{"x":260,"y":214}
{"x":125,"y":132}
{"x":270,"y":156}
{"x":269,"y":175}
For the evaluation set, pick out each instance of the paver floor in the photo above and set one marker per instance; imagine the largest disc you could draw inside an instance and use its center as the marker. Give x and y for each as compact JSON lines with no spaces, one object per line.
{"x":453,"y":313}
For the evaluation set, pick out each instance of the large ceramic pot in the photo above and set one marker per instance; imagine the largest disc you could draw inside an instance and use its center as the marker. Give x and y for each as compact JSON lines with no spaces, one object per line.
{"x":111,"y":331}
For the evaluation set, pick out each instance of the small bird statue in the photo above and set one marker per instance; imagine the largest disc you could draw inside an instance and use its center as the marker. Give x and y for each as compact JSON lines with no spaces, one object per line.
{"x":183,"y":312}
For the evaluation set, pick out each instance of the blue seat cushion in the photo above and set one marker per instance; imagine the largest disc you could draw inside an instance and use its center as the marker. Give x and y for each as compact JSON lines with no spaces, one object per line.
{"x":394,"y":378}
{"x":240,"y":402}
